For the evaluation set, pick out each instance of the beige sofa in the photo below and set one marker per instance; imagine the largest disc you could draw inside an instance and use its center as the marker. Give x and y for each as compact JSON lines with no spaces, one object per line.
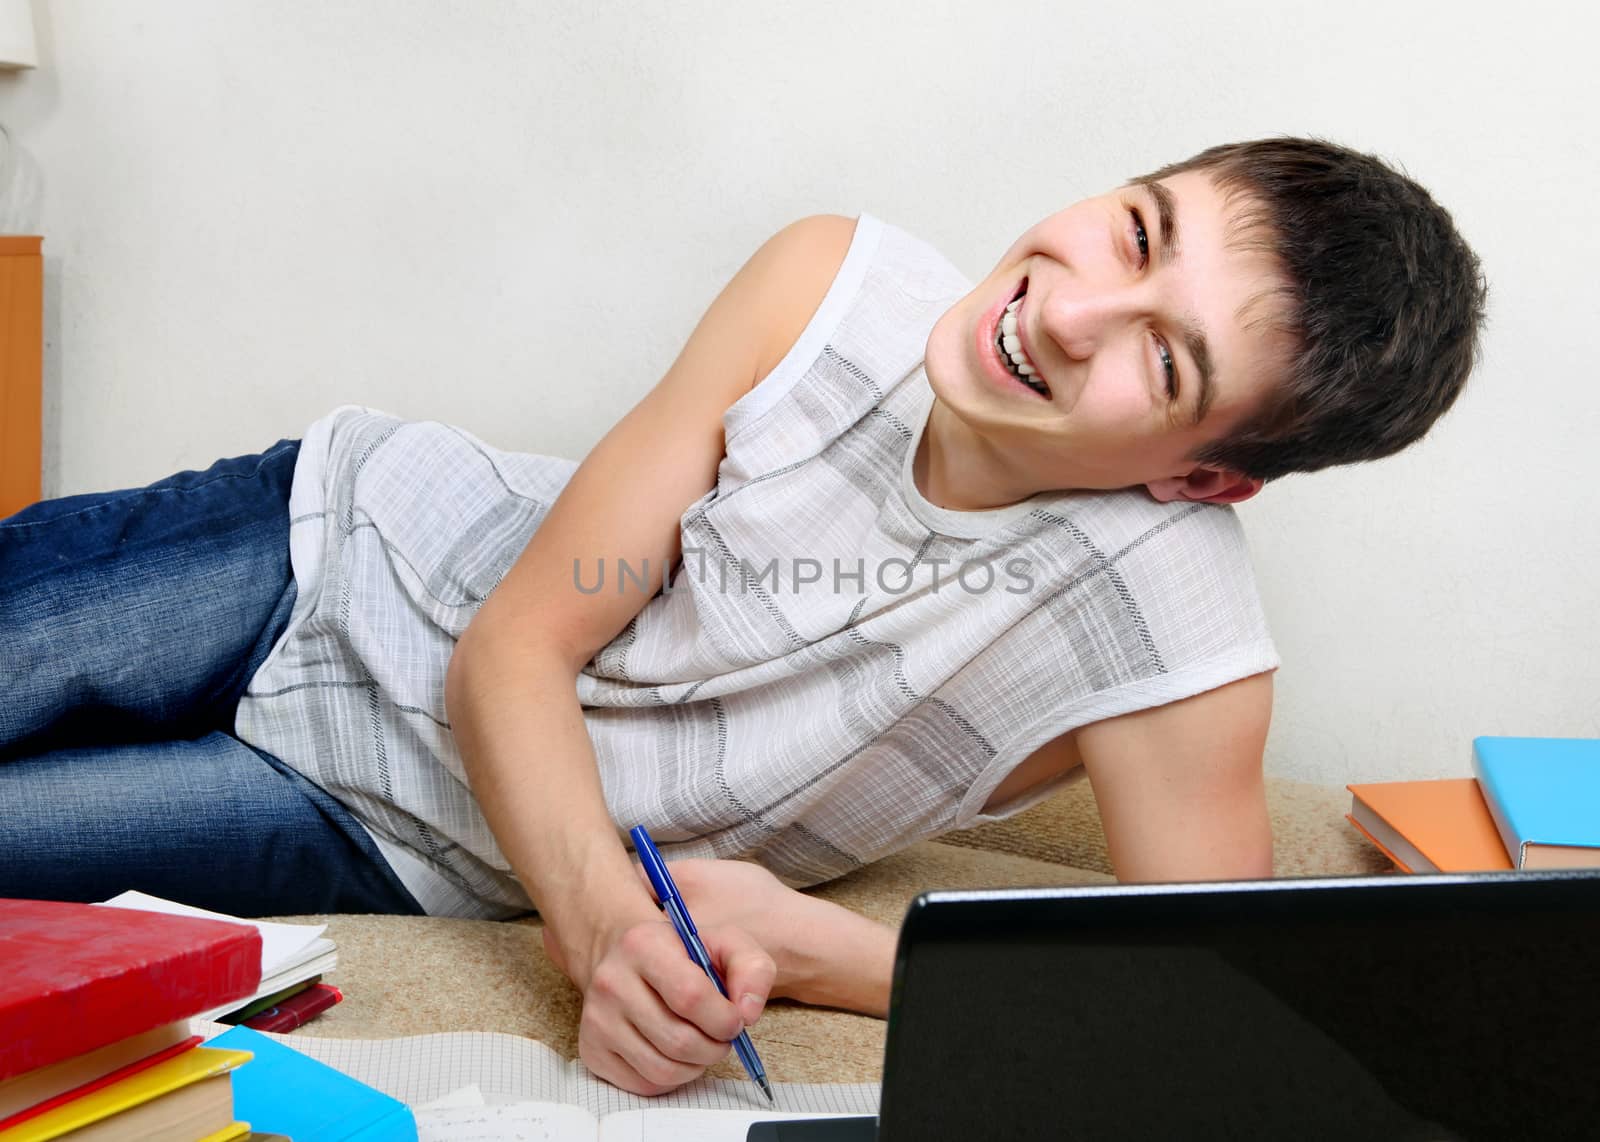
{"x":414,"y":976}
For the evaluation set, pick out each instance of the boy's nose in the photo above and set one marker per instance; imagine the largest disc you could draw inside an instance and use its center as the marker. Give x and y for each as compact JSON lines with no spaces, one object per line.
{"x":1079,"y":323}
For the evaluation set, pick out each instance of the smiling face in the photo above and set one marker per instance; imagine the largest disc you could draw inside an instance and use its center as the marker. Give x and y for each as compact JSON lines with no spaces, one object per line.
{"x":1146,"y":335}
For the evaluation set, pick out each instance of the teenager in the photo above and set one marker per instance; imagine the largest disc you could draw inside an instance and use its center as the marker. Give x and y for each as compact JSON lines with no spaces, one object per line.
{"x":885,"y":553}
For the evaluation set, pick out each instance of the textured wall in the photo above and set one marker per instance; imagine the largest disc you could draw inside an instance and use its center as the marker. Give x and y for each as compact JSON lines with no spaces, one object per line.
{"x":508,"y":214}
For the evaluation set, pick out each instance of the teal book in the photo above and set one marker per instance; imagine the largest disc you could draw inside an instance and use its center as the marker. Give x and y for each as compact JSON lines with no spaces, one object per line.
{"x":1544,"y":796}
{"x":281,"y":1091}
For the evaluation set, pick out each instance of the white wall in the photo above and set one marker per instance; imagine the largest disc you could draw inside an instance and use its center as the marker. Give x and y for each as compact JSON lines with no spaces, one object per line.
{"x":509,"y":213}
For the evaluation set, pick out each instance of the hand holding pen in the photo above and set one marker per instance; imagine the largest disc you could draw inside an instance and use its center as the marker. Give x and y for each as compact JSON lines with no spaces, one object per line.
{"x":672,"y":903}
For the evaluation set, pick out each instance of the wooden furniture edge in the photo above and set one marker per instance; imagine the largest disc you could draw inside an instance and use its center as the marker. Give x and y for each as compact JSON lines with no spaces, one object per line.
{"x":21,"y":371}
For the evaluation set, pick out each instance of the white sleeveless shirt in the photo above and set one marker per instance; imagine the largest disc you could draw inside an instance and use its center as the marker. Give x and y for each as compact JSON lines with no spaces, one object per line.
{"x":838,"y":667}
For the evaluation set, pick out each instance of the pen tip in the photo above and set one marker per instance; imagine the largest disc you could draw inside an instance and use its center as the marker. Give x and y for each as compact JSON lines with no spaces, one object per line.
{"x":766,"y":1089}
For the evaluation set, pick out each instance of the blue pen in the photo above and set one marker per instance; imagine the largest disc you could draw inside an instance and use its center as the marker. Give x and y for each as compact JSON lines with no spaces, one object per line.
{"x":667,"y":893}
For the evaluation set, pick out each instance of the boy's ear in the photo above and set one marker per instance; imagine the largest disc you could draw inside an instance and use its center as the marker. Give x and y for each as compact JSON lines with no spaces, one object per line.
{"x":1206,"y":486}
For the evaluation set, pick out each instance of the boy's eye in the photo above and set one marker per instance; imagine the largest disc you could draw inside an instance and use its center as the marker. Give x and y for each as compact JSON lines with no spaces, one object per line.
{"x":1169,"y":368}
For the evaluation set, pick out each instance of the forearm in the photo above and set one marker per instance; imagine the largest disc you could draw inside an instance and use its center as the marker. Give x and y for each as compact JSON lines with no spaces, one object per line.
{"x":839,"y":959}
{"x":516,"y":719}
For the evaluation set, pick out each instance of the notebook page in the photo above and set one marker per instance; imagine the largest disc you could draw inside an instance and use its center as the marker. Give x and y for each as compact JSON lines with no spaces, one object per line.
{"x":422,"y":1068}
{"x":707,"y":1093}
{"x":686,"y":1125}
{"x":508,"y":1068}
{"x":507,"y":1122}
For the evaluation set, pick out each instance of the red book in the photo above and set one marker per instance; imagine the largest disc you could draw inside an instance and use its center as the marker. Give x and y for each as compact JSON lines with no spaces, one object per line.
{"x":299,"y":1008}
{"x":79,"y":976}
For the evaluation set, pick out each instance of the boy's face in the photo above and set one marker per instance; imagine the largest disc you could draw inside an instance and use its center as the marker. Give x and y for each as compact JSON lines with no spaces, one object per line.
{"x":1142,"y":345}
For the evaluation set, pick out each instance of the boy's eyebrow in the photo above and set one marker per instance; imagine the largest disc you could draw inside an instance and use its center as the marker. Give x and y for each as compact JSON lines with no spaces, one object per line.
{"x":1166,"y":218}
{"x":1193,"y":336}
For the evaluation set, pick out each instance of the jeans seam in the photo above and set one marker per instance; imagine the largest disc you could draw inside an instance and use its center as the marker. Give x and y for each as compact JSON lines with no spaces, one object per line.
{"x":250,"y":475}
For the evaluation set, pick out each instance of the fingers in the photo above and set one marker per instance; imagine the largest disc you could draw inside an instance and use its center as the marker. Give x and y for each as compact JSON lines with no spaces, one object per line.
{"x":746,"y":968}
{"x":685,"y":993}
{"x":652,"y":1020}
{"x":617,"y":1051}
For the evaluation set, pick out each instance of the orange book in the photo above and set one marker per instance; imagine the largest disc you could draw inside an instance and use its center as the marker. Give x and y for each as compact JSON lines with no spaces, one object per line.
{"x":1429,"y":826}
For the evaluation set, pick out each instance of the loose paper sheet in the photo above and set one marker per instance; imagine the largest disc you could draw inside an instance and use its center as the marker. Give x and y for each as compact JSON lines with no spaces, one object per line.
{"x":280,"y":943}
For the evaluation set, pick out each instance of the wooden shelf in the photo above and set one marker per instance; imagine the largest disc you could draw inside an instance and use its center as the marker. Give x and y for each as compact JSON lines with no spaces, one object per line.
{"x":21,"y":369}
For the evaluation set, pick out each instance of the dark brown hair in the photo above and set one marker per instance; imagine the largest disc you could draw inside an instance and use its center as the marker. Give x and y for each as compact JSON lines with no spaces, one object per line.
{"x":1381,"y":298}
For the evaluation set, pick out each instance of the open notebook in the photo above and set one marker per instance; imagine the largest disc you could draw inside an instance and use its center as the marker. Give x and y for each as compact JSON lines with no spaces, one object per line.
{"x":531,"y":1094}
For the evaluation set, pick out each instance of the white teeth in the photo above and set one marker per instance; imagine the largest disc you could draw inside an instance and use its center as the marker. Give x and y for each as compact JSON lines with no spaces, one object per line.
{"x":1008,"y":343}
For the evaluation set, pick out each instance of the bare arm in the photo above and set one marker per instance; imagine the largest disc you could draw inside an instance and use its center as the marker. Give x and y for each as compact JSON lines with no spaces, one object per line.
{"x":1180,"y":787}
{"x":651,"y":1020}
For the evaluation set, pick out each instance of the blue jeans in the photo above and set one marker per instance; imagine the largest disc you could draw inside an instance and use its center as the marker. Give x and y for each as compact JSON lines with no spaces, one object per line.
{"x":130,"y":623}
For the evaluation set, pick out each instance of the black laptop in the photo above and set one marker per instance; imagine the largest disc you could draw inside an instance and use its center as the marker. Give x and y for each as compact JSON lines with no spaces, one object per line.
{"x":1391,"y":1008}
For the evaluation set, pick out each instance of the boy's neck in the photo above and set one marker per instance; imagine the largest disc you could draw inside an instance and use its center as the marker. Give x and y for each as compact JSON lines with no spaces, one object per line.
{"x":957,"y":470}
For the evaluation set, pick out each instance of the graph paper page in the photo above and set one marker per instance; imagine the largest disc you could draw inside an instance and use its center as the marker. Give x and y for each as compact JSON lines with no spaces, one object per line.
{"x":507,"y":1122}
{"x":551,"y":1122}
{"x":668,"y":1125}
{"x":507,"y":1068}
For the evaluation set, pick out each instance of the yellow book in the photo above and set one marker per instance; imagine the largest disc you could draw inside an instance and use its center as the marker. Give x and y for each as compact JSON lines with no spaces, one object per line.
{"x":229,"y":1132}
{"x":188,"y":1096}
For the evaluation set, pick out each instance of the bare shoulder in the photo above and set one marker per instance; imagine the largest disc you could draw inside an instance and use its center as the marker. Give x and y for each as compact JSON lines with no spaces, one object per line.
{"x":792,"y":273}
{"x":1226,"y":721}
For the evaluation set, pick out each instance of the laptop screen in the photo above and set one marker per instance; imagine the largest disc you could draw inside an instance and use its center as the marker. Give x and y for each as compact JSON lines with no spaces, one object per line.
{"x":1397,"y":1008}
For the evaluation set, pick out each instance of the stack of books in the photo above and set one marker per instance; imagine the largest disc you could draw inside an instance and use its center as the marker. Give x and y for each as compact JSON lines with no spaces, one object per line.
{"x":95,"y":1039}
{"x":1534,"y":803}
{"x":97,"y":1006}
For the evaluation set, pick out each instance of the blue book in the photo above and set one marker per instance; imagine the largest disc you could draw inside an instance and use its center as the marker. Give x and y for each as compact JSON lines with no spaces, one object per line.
{"x":281,"y":1091}
{"x":1544,"y":795}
